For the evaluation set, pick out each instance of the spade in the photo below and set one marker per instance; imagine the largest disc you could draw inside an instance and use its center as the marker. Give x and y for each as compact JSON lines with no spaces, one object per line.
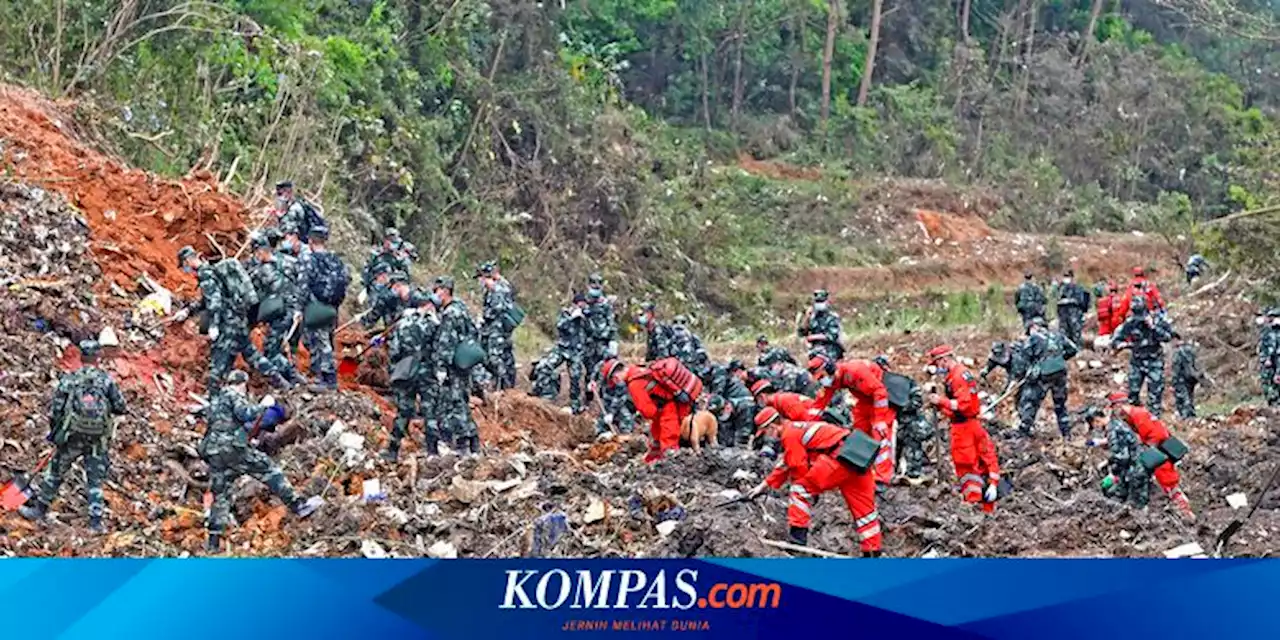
{"x":17,"y":491}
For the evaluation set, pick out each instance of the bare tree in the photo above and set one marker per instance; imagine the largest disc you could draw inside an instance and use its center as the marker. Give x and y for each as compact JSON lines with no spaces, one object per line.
{"x":740,"y":33}
{"x":1087,"y":36}
{"x":828,"y":51}
{"x":869,"y":65}
{"x":964,"y":20}
{"x":1226,"y":17}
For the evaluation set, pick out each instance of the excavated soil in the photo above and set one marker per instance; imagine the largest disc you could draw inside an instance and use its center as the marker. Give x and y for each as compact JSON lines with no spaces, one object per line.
{"x":543,"y":486}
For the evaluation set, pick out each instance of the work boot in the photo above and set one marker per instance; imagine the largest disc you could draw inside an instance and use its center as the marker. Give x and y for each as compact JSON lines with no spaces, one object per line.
{"x":294,"y":377}
{"x":214,"y":543}
{"x":473,"y":444}
{"x":872,"y":554}
{"x":95,"y":525}
{"x":916,"y":481}
{"x":433,"y":446}
{"x":32,"y":511}
{"x":304,"y":508}
{"x":278,"y":381}
{"x":798,"y":536}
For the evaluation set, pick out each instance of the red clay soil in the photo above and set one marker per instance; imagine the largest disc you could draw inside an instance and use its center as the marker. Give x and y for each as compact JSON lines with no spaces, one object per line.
{"x":776,"y":170}
{"x":138,"y":221}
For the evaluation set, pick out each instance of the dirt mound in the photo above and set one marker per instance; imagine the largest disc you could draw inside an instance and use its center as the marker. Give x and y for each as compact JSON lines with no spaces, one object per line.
{"x":908,"y":195}
{"x":952,"y":228}
{"x":137,"y":221}
{"x":777,"y":170}
{"x":512,"y":416}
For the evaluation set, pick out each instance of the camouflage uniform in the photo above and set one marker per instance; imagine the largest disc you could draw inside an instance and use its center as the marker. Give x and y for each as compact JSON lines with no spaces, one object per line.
{"x":315,"y":272}
{"x":659,"y":342}
{"x":601,"y":330}
{"x":81,"y":427}
{"x":396,"y":258}
{"x":568,"y":351}
{"x":416,"y":396}
{"x":1269,"y":359}
{"x":226,"y":449}
{"x":384,"y":305}
{"x":456,"y":326}
{"x":619,"y":412}
{"x":1131,"y":482}
{"x":1186,"y":375}
{"x":914,"y":430}
{"x":271,"y":280}
{"x":291,"y":265}
{"x":545,"y":380}
{"x":824,"y":324}
{"x":233,"y":331}
{"x":774,"y":354}
{"x":291,"y":221}
{"x":1145,"y":334}
{"x":1047,"y":353}
{"x":496,"y":333}
{"x":1195,"y":267}
{"x":1029,"y":301}
{"x":736,"y":407}
{"x":687,"y":346}
{"x":1073,"y":302}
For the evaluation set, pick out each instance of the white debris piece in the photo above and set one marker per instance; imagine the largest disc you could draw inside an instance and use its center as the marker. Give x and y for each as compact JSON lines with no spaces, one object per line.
{"x":466,"y":491}
{"x":351,"y":441}
{"x":1238,"y":500}
{"x":335,"y":431}
{"x":371,"y":491}
{"x":729,"y":494}
{"x":1188,"y":550}
{"x":107,"y":337}
{"x":504,"y":485}
{"x":393,"y":514}
{"x":441,"y":549}
{"x":666,"y":527}
{"x":427,"y":509}
{"x":1119,"y":377}
{"x":1125,"y":535}
{"x":1095,"y":364}
{"x":743,"y":474}
{"x":372,"y":550}
{"x":596,"y":511}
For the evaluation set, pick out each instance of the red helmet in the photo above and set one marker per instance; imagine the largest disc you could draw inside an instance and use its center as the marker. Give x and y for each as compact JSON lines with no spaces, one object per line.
{"x":940,"y":351}
{"x":1138,"y":272}
{"x":1117,"y":397}
{"x":609,"y":367}
{"x":761,"y":386}
{"x":820,"y":362}
{"x":766,"y":417}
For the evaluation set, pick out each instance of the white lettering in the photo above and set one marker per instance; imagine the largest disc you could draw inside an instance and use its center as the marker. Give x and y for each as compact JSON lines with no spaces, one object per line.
{"x":515,"y":589}
{"x":587,"y":591}
{"x":657,"y":591}
{"x":541,"y":592}
{"x":685,"y":580}
{"x":632,"y":582}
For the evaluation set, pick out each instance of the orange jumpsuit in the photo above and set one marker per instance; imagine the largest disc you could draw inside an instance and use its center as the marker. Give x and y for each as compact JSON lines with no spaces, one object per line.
{"x":793,"y":406}
{"x":658,"y":405}
{"x":808,"y":461}
{"x":871,"y":412}
{"x":1137,"y":287}
{"x":1152,"y":432}
{"x":972,"y":452}
{"x":1106,"y":306}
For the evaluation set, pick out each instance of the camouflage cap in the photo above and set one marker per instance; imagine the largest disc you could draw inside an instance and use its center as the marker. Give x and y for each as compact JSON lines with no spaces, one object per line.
{"x":715,"y":404}
{"x":735,"y":365}
{"x":1037,"y":321}
{"x":821,"y":295}
{"x":595,"y":278}
{"x":648,"y":306}
{"x":319,"y":232}
{"x":381,"y":268}
{"x":237,"y":377}
{"x":486,"y":268}
{"x":762,"y":339}
{"x":398,"y":277}
{"x":184,"y":254}
{"x":284,"y":184}
{"x":594,"y":295}
{"x":89,"y":348}
{"x":391,"y":232}
{"x":579,"y":298}
{"x":881,"y":361}
{"x":681,"y":320}
{"x":259,"y":241}
{"x":419,"y":298}
{"x":443,"y":282}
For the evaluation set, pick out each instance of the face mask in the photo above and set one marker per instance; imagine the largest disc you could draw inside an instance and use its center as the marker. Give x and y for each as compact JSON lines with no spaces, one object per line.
{"x":642,"y":321}
{"x":437,"y":300}
{"x":819,"y":306}
{"x":931,"y":369}
{"x":188,"y":270}
{"x":286,"y":244}
{"x":281,"y":201}
{"x":827,"y":382}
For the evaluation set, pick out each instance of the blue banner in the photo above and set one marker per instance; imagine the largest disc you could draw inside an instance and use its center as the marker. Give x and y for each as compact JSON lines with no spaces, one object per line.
{"x":729,"y":598}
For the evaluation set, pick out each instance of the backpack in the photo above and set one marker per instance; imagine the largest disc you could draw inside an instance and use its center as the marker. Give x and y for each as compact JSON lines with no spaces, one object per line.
{"x":900,"y":388}
{"x":672,"y":374}
{"x":1054,"y":360}
{"x":331,"y":287}
{"x":311,"y":219}
{"x":237,"y":286}
{"x":88,"y":410}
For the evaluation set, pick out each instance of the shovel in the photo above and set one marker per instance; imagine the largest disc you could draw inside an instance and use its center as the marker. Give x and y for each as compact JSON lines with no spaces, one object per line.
{"x":16,"y":492}
{"x":348,"y":366}
{"x":1238,"y":524}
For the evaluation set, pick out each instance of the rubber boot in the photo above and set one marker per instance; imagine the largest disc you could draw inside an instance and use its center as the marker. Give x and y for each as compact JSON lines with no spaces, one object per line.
{"x":474,"y":444}
{"x":96,"y":526}
{"x":294,"y":377}
{"x":278,"y":381}
{"x":392,"y":452}
{"x":798,"y":536}
{"x":872,"y":554}
{"x":304,"y":508}
{"x":1184,"y":506}
{"x":214,"y":543}
{"x":32,"y":511}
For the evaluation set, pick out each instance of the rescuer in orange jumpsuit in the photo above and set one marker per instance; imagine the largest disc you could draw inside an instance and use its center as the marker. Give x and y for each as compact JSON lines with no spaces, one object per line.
{"x":1152,"y":432}
{"x":972,"y":452}
{"x":809,"y":461}
{"x":871,"y":412}
{"x":659,"y":406}
{"x":1107,"y":310}
{"x":1138,"y":286}
{"x":792,"y":406}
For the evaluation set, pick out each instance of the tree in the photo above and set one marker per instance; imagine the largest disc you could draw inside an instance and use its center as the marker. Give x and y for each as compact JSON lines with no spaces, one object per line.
{"x":828,"y":52}
{"x":1087,"y":36}
{"x":869,"y":65}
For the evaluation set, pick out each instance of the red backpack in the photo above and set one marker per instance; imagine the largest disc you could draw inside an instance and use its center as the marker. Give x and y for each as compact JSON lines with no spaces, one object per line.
{"x":676,"y":378}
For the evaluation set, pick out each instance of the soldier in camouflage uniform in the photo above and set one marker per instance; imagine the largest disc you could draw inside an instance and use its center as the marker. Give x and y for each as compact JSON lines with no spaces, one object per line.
{"x":732,"y":404}
{"x":1008,"y":356}
{"x":1047,"y":354}
{"x":1186,"y":375}
{"x":913,"y":430}
{"x":619,"y":413}
{"x":820,"y":328}
{"x":232,"y":418}
{"x":1144,"y":333}
{"x":390,"y":256}
{"x":687,"y":346}
{"x":1073,"y":303}
{"x":568,"y":351}
{"x":81,"y":424}
{"x":415,"y":395}
{"x":292,"y":214}
{"x":1127,"y":480}
{"x":272,"y":281}
{"x":499,"y":303}
{"x":1269,"y":357}
{"x":288,"y":253}
{"x":545,"y":380}
{"x":770,"y":354}
{"x":1029,"y":300}
{"x":321,"y":271}
{"x":456,"y":327}
{"x":228,"y":328}
{"x":659,"y":341}
{"x":601,"y":330}
{"x":386,"y":303}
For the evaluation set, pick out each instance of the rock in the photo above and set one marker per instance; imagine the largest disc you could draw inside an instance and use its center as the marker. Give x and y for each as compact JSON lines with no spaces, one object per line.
{"x":596,"y":511}
{"x":1125,"y":535}
{"x":1238,"y":500}
{"x":427,"y":509}
{"x":372,"y":550}
{"x":729,"y":494}
{"x":443,"y":550}
{"x":666,"y":527}
{"x":1188,"y":550}
{"x":351,"y":441}
{"x":1095,"y":364}
{"x":504,"y":485}
{"x":335,"y":432}
{"x":107,"y":337}
{"x":466,"y":491}
{"x":371,"y":491}
{"x":526,"y":490}
{"x":393,"y":514}
{"x":743,"y":474}
{"x":931,"y":553}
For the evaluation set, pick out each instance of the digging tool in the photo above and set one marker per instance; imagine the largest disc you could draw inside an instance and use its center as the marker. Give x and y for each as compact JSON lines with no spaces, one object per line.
{"x":352,"y":321}
{"x":350,"y":364}
{"x":1236,"y":525}
{"x":17,"y":491}
{"x":787,"y":546}
{"x":746,"y":497}
{"x":1005,"y":394}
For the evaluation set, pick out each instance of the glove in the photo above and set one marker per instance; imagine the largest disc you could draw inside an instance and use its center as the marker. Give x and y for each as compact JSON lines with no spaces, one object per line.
{"x":991,"y":493}
{"x":1094,"y":442}
{"x":267,"y":401}
{"x":363,"y":297}
{"x":1034,"y":373}
{"x":274,"y":415}
{"x":49,"y":436}
{"x":182,"y":315}
{"x":757,"y":490}
{"x":213,"y":333}
{"x":613,"y":348}
{"x":880,"y":429}
{"x":377,"y":341}
{"x":441,"y":376}
{"x":1108,"y":482}
{"x":683,"y":398}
